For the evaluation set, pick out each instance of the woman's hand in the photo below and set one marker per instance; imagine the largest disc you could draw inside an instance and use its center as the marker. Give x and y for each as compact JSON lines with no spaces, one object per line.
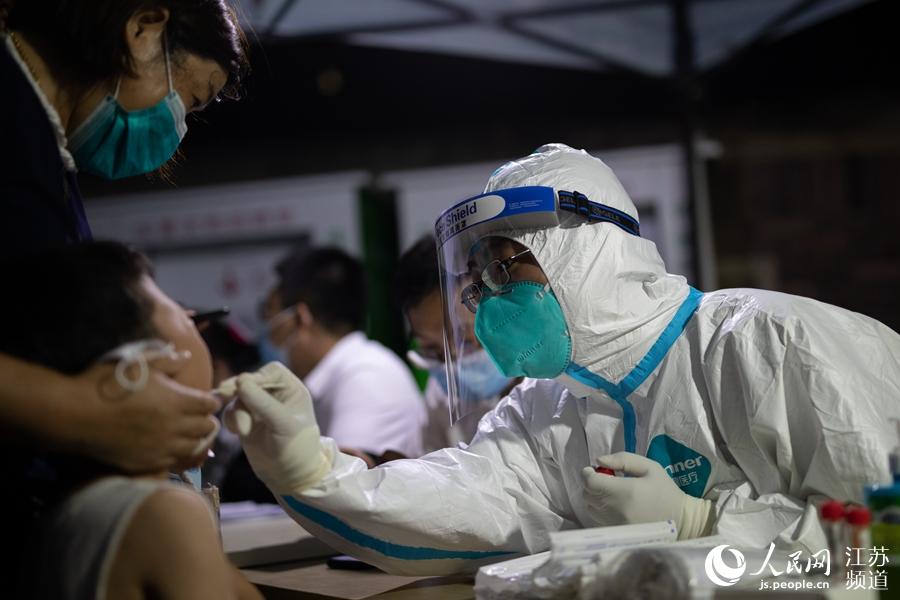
{"x":159,"y":427}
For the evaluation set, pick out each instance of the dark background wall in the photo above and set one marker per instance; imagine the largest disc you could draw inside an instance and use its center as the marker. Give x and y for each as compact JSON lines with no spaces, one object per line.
{"x":813,"y":217}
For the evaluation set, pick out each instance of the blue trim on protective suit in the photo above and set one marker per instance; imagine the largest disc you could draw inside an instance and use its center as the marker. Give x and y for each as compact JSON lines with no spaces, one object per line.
{"x":620,"y":392}
{"x":390,"y":549}
{"x":582,"y":375}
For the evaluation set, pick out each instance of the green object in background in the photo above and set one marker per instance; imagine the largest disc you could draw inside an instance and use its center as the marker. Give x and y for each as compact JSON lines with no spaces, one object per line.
{"x":381,"y":249}
{"x":421,"y":377}
{"x":884,"y":502}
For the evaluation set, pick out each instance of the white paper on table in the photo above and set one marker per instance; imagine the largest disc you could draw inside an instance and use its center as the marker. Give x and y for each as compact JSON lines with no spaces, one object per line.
{"x":255,"y":535}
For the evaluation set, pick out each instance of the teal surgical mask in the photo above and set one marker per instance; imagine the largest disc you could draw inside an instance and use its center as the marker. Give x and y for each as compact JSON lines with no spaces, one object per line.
{"x":522,"y":328}
{"x":114,"y":143}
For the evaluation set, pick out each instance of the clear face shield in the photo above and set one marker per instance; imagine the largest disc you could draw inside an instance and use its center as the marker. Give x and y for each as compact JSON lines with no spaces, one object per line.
{"x":496,"y":298}
{"x":461,"y":261}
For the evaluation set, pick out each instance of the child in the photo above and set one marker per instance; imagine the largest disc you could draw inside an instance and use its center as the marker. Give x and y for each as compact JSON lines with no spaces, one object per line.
{"x":96,"y":533}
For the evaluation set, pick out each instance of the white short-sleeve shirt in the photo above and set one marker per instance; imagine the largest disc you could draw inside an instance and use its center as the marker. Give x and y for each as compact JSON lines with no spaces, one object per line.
{"x":366,"y":398}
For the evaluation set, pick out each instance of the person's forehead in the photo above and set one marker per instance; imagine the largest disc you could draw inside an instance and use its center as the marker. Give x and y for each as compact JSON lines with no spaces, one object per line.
{"x":161,"y":300}
{"x":272,"y":304}
{"x":206,"y":76}
{"x":427,"y":313}
{"x":169,"y":318}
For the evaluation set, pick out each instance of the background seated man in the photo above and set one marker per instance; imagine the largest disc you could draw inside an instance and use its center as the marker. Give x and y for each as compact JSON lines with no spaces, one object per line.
{"x":364,"y":396}
{"x":95,"y":533}
{"x":418,"y":294}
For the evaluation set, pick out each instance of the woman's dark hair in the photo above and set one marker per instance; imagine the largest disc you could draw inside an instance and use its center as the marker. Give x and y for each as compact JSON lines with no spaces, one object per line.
{"x":65,"y":308}
{"x":83,"y":41}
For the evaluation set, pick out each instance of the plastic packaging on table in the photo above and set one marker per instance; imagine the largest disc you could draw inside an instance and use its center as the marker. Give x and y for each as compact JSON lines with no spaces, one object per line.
{"x":509,"y":579}
{"x":557,"y":574}
{"x":675,"y":571}
{"x":618,"y":569}
{"x":642,"y":573}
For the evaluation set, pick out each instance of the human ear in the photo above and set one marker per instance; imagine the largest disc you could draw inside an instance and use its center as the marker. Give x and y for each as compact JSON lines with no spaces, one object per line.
{"x":143,"y":33}
{"x":304,"y":315}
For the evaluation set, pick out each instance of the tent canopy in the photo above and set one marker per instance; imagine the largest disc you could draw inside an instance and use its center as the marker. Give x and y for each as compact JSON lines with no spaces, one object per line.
{"x":637,"y":36}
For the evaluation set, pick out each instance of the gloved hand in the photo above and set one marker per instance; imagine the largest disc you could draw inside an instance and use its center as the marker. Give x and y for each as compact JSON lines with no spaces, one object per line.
{"x":647,"y":494}
{"x":273,"y":415}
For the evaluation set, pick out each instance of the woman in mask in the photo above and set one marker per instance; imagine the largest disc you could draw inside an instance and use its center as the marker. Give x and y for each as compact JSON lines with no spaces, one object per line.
{"x":91,"y":531}
{"x":101,"y":86}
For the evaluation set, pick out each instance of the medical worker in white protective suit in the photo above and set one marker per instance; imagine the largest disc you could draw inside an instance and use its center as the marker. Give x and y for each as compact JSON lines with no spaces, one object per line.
{"x":730,"y":411}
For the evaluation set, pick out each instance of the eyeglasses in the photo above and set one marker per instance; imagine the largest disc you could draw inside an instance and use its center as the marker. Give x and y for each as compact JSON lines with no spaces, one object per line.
{"x":493,"y":277}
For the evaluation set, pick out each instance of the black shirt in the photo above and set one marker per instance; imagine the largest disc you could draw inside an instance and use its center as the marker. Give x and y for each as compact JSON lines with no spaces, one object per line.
{"x":40,"y":204}
{"x":40,"y":209}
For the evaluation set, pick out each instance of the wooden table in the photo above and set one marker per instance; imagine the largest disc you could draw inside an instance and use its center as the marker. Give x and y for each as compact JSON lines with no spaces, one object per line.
{"x":313,"y":579}
{"x":287,"y":562}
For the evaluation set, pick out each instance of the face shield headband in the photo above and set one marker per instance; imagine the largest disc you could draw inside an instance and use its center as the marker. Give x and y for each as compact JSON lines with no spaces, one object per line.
{"x":459,"y":229}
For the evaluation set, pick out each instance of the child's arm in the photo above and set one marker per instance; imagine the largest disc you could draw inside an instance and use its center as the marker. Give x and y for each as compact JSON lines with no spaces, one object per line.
{"x":172,"y":551}
{"x":245,"y":590}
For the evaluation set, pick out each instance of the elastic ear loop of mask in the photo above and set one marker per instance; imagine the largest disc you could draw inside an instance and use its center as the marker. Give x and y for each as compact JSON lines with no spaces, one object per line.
{"x":168,"y":70}
{"x":139,"y":355}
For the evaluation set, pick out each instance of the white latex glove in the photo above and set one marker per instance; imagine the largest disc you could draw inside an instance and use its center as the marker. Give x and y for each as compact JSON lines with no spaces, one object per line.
{"x":647,"y":494}
{"x":273,"y":415}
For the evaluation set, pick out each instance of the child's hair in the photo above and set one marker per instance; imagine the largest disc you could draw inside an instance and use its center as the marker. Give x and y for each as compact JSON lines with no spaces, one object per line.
{"x":65,"y":308}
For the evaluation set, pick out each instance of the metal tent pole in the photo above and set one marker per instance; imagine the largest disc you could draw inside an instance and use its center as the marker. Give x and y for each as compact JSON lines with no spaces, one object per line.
{"x":701,"y":236}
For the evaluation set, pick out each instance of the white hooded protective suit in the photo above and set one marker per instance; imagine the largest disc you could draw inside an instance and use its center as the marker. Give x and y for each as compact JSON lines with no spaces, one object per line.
{"x":758,"y":401}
